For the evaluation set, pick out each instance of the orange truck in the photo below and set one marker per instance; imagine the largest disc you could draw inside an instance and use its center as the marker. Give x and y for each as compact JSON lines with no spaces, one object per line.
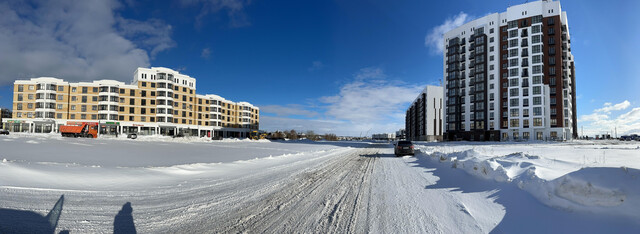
{"x":80,"y":129}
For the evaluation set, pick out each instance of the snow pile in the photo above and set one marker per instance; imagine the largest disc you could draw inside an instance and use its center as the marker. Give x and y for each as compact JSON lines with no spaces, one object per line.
{"x":570,"y":184}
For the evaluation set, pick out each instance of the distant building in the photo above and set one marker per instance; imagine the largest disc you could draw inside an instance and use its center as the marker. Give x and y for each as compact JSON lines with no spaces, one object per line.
{"x":401,"y":134}
{"x":158,"y":101}
{"x":384,"y":136}
{"x":423,"y":121}
{"x":4,"y":114}
{"x":511,"y":76}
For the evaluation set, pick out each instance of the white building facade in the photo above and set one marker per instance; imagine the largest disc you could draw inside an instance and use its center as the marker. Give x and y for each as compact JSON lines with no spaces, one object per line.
{"x":424,"y":118}
{"x":511,"y":76}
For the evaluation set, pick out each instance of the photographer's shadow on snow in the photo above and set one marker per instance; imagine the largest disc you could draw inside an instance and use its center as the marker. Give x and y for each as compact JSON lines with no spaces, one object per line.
{"x":123,"y":222}
{"x":22,"y":221}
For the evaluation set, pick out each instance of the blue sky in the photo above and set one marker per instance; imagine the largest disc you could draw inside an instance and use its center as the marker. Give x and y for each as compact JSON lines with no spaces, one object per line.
{"x":348,"y":67}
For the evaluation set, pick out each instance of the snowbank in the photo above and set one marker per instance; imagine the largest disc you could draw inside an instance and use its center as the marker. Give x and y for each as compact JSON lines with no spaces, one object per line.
{"x":599,"y":181}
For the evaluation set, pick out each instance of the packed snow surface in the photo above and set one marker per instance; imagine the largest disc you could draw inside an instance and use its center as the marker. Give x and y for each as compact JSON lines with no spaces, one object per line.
{"x":195,"y":185}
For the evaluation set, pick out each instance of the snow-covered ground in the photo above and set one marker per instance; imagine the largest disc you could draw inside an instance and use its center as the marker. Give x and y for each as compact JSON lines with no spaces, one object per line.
{"x":196,"y":185}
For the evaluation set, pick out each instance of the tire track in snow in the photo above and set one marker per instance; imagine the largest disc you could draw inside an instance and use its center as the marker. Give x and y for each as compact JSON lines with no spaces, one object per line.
{"x":331,"y":199}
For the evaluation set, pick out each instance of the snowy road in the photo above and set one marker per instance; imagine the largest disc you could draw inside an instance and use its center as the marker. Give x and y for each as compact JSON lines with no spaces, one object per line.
{"x":320,"y":187}
{"x":349,"y":189}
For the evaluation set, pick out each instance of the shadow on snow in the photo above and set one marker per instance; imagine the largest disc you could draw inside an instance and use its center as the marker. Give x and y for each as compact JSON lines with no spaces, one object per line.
{"x":22,"y":221}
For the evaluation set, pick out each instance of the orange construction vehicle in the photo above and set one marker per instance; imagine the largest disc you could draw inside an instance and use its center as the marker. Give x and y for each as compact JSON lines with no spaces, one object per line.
{"x":79,"y":129}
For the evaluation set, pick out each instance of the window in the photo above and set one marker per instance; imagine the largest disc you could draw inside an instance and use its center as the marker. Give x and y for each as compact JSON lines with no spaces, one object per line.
{"x":514,"y":123}
{"x":132,"y":93}
{"x":513,"y":72}
{"x":513,"y":52}
{"x":514,"y":113}
{"x":85,"y":89}
{"x":94,"y":107}
{"x":536,"y":59}
{"x":30,"y":106}
{"x":537,"y":111}
{"x":513,"y":43}
{"x":132,"y":101}
{"x":536,"y":39}
{"x":537,"y":79}
{"x":554,"y":122}
{"x":537,"y":69}
{"x":73,"y":90}
{"x":513,"y":102}
{"x":513,"y":62}
{"x":144,"y":84}
{"x":60,"y":89}
{"x":153,"y":85}
{"x":537,"y":101}
{"x":537,"y":122}
{"x":83,"y":116}
{"x":513,"y":33}
{"x":84,"y":99}
{"x":536,"y":49}
{"x":59,"y":106}
{"x":73,"y":116}
{"x":83,"y":108}
{"x":94,"y":98}
{"x":513,"y":92}
{"x":73,"y":107}
{"x":31,"y":87}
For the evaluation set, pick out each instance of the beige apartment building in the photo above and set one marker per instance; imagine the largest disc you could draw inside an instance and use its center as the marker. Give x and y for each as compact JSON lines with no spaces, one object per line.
{"x":158,"y":101}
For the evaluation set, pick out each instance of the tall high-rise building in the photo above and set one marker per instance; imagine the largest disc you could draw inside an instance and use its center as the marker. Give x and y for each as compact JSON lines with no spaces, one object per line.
{"x":423,"y":120}
{"x":511,"y":76}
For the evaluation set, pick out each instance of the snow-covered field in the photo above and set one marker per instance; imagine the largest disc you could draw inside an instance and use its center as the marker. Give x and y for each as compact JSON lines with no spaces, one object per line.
{"x":195,"y":185}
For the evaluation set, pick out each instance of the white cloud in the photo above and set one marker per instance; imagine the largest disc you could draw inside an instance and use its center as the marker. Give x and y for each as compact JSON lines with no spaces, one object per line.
{"x":75,"y":40}
{"x":601,"y":121}
{"x":369,"y":103}
{"x":608,"y":107}
{"x":371,"y":99}
{"x":316,"y":65}
{"x":435,"y":41}
{"x":288,"y":110}
{"x":152,"y":35}
{"x":206,"y":53}
{"x":593,"y":117}
{"x":234,"y":9}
